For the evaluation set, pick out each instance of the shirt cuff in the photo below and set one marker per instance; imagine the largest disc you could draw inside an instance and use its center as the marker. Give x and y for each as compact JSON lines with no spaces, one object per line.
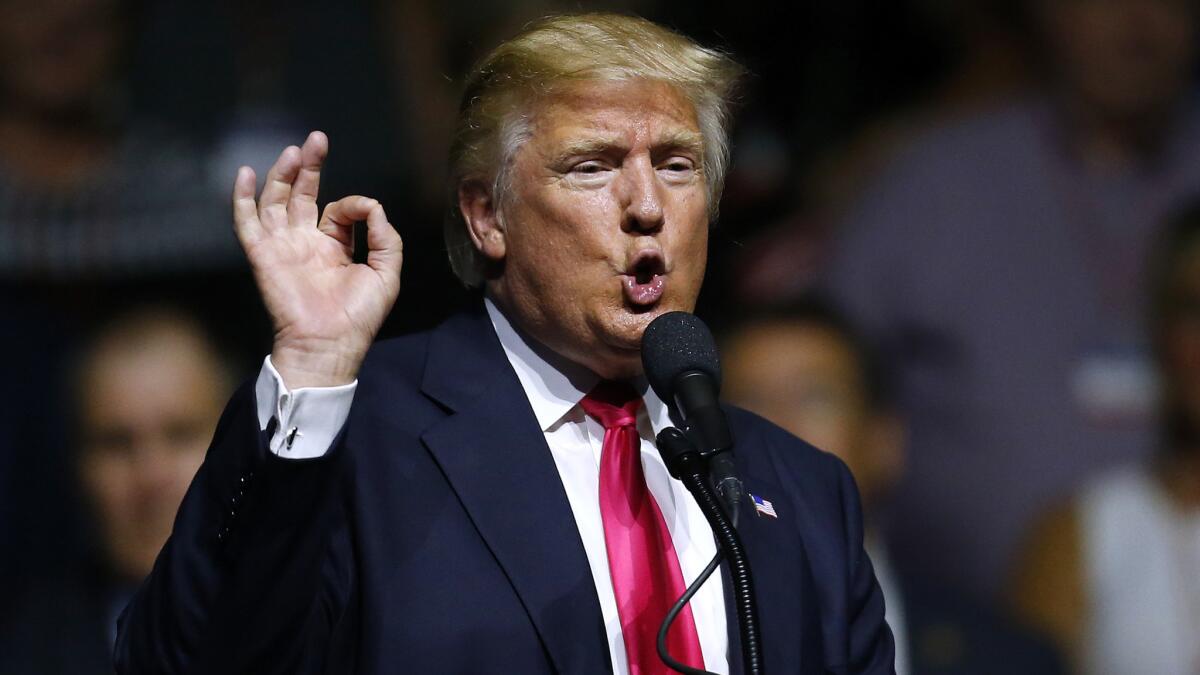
{"x":306,"y":420}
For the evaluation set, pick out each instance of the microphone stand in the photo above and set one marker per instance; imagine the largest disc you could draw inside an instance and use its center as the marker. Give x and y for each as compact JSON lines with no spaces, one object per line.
{"x":686,"y":464}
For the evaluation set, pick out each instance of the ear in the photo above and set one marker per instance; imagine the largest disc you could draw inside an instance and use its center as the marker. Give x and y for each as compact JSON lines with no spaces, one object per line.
{"x":484,"y":224}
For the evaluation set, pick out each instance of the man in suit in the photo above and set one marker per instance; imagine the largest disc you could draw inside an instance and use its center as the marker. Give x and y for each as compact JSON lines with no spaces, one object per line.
{"x":486,"y":497}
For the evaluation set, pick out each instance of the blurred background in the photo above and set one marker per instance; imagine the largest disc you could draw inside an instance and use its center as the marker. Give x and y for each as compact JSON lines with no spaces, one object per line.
{"x":959,"y":247}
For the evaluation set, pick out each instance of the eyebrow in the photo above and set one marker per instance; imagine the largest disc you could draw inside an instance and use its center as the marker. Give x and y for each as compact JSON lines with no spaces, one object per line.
{"x":682,"y":140}
{"x":691,"y":141}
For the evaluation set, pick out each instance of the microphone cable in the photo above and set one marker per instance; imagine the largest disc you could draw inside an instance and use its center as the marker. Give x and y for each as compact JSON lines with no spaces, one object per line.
{"x":685,"y":464}
{"x":674,"y":613}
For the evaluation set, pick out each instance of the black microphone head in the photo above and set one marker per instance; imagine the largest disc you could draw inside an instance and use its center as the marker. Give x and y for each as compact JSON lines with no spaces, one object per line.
{"x":676,"y":343}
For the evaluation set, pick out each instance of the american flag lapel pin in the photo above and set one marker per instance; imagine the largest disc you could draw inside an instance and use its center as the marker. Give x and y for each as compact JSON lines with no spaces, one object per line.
{"x":763,"y":507}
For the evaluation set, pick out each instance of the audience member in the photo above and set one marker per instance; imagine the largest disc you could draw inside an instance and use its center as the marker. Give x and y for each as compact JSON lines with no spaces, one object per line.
{"x":806,"y":369}
{"x":1114,"y":574}
{"x":149,"y":388}
{"x":997,"y":264}
{"x":85,"y":189}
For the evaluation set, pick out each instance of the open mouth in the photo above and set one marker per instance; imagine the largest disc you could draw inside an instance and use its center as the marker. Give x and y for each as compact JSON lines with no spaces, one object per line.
{"x":645,"y":279}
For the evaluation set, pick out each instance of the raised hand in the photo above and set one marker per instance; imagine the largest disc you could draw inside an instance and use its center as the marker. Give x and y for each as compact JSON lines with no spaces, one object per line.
{"x":325,"y":309}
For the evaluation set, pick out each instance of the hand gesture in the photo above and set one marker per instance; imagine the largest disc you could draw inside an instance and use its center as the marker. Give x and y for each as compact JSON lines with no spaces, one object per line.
{"x":325,"y":309}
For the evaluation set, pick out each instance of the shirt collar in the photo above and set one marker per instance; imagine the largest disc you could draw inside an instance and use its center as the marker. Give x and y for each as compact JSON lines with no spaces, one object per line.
{"x":554,"y":385}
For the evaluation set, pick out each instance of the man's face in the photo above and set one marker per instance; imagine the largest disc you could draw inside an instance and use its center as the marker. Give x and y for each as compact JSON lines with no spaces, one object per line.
{"x":146,"y":419}
{"x":805,"y":378}
{"x":1124,"y":57}
{"x":58,"y":56}
{"x":607,"y":224}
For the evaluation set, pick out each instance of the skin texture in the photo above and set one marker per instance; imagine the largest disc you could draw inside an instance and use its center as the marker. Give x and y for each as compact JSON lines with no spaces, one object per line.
{"x":612,"y":171}
{"x":148,"y":408}
{"x":325,"y":309}
{"x":806,"y":379}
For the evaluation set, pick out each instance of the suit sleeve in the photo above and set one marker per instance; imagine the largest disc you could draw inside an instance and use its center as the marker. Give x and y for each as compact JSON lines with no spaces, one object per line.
{"x":872,"y":648}
{"x":257,"y":573}
{"x":307,"y":420}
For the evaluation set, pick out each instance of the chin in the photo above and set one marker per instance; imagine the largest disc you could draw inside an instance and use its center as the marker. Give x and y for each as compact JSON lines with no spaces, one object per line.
{"x":619,"y":364}
{"x":620,"y":332}
{"x":626,"y":330}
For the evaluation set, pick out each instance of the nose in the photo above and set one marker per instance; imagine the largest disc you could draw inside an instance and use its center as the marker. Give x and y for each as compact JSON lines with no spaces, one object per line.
{"x":153,"y":470}
{"x":640,"y":196}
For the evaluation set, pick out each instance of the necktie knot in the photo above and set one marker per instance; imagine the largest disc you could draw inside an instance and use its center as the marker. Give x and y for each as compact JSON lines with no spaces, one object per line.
{"x":614,"y":404}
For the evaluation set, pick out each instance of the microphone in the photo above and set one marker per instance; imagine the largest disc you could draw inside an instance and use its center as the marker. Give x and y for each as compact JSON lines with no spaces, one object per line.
{"x":680,"y":359}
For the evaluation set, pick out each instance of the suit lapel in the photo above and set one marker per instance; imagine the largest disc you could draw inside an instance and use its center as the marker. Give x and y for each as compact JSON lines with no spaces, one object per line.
{"x":496,"y":459}
{"x":779,"y":565}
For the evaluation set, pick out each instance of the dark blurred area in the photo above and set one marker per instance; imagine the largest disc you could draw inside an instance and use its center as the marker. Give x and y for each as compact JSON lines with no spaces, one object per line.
{"x":981,"y":192}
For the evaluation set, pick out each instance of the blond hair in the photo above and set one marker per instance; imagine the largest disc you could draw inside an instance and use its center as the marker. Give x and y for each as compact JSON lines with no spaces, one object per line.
{"x":494,"y":117}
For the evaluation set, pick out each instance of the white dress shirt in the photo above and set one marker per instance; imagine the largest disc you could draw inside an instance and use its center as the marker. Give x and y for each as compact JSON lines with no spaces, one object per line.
{"x":308,"y":420}
{"x":893,"y":599}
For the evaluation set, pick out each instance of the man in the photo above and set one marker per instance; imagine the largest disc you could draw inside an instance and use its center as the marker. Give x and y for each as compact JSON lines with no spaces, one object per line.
{"x":998,"y":263}
{"x":482,"y":506}
{"x":148,"y":389}
{"x":805,"y":367}
{"x":1111,"y":573}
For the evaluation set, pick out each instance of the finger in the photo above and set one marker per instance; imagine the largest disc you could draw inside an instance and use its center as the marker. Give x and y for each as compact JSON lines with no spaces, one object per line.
{"x":279,"y":181}
{"x":245,"y":211}
{"x":339,"y":217}
{"x":302,"y":208}
{"x":385,"y":248}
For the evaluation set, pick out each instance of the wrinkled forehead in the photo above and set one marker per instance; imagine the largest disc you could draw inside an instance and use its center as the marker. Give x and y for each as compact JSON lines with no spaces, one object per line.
{"x":603,"y":113}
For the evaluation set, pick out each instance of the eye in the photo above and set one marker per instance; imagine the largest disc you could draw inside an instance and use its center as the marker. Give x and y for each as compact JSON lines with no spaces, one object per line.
{"x":589,"y":173}
{"x":678,"y":168}
{"x":112,"y":443}
{"x":590,"y":167}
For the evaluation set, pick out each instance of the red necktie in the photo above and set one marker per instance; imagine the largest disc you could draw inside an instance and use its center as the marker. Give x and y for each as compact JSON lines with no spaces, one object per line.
{"x":645,"y":571}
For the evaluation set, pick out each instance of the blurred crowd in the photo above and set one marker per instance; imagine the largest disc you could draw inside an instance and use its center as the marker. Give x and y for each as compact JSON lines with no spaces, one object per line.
{"x":959,"y":247}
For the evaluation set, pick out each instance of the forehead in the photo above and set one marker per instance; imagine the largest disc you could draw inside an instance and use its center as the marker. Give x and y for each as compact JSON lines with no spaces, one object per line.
{"x":780,"y":347}
{"x":627,"y":111}
{"x":172,"y":370}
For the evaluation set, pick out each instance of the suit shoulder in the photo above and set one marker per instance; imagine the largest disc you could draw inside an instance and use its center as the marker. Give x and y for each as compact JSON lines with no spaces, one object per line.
{"x":389,"y":394}
{"x":756,"y":434}
{"x":398,"y":359}
{"x":767,"y":445}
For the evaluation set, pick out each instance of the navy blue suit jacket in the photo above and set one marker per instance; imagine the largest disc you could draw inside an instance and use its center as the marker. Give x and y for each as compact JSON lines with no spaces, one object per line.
{"x":436,"y":537}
